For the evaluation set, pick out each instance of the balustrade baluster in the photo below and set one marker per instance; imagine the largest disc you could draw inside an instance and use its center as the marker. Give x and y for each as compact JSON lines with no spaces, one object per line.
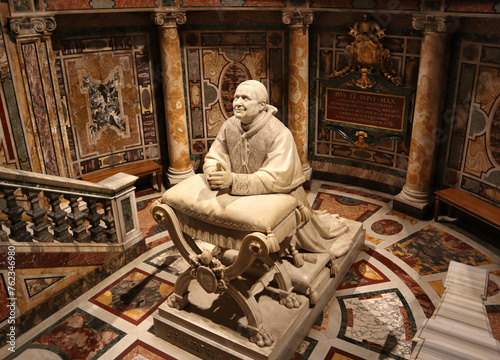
{"x":77,"y":219}
{"x":40,"y":225}
{"x":58,"y":217}
{"x":15,"y":213}
{"x":110,"y":223}
{"x":96,"y":230}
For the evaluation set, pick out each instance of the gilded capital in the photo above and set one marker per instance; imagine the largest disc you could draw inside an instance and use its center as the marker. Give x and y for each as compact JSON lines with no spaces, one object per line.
{"x":170,"y":19}
{"x":437,"y":24}
{"x":297,"y":18}
{"x":30,"y":25}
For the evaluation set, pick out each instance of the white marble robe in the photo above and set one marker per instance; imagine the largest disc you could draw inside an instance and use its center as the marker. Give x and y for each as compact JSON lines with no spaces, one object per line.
{"x":263,"y":159}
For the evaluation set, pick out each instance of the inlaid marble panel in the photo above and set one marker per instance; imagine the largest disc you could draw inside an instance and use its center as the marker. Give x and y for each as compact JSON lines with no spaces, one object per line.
{"x":473,"y":145}
{"x":216,"y":63}
{"x":108,"y":99}
{"x":8,"y":149}
{"x":379,"y":321}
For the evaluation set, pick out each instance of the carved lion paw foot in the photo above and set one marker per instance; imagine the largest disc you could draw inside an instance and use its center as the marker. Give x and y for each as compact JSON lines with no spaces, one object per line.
{"x":176,"y":301}
{"x":290,"y":301}
{"x":262,"y":338}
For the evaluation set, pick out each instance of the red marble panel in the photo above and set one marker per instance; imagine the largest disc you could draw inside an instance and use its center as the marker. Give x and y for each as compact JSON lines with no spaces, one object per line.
{"x":67,"y":5}
{"x":199,"y":3}
{"x":270,"y":3}
{"x":6,"y":148}
{"x":32,"y":260}
{"x":37,"y":95}
{"x":331,"y":4}
{"x":134,"y":4}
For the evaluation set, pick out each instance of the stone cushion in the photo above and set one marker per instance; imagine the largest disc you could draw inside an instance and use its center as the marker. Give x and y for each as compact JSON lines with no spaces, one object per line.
{"x":194,"y":198}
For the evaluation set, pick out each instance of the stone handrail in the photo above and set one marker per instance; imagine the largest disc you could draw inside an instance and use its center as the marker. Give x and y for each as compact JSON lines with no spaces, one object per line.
{"x":44,"y":213}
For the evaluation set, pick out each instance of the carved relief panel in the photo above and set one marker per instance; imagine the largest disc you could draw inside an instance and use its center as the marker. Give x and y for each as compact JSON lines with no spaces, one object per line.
{"x":106,"y":89}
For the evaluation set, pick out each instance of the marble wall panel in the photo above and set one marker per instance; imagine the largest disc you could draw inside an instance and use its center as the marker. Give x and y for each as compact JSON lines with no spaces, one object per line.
{"x":216,"y":63}
{"x":330,"y":146}
{"x":108,"y":97}
{"x":473,"y":148}
{"x":8,"y":154}
{"x":42,"y":126}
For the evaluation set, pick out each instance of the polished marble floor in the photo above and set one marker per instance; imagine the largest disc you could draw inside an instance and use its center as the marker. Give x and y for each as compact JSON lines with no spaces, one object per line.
{"x":393,"y":286}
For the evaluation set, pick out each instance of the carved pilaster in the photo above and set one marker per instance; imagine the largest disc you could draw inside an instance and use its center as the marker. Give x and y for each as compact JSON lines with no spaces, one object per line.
{"x":431,"y":23}
{"x":297,"y":18}
{"x":170,"y":19}
{"x":27,"y":26}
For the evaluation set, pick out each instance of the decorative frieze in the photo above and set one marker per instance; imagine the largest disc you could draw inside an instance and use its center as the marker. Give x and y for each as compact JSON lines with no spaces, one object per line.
{"x":431,"y":23}
{"x":32,"y":25}
{"x":170,"y":19}
{"x":297,"y":18}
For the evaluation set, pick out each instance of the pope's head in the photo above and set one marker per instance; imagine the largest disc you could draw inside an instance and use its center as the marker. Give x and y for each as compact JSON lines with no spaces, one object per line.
{"x":250,"y":100}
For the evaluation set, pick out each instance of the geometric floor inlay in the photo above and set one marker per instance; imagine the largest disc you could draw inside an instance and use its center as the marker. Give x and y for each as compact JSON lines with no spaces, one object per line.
{"x":430,"y":250}
{"x":346,"y":207}
{"x":134,"y":296}
{"x":79,"y":335}
{"x":139,"y":350}
{"x":37,"y":285}
{"x":361,"y":274}
{"x":387,"y":227}
{"x":380,"y":321}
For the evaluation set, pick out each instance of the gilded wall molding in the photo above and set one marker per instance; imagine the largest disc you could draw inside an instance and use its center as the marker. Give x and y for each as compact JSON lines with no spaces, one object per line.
{"x":170,"y":19}
{"x":30,"y":25}
{"x":437,"y":24}
{"x":297,"y":18}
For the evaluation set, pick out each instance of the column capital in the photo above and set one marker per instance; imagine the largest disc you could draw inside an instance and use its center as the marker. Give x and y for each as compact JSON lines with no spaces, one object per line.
{"x":297,"y":18}
{"x":170,"y":19}
{"x":437,"y":24}
{"x":32,"y":25}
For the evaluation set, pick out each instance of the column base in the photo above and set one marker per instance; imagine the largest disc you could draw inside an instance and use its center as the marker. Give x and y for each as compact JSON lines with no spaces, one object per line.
{"x":414,"y":203}
{"x":175,"y":177}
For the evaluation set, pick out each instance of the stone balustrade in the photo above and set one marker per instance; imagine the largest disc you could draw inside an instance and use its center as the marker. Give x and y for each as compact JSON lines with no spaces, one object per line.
{"x":43,"y":213}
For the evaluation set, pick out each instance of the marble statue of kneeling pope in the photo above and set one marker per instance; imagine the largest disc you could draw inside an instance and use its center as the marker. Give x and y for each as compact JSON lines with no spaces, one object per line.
{"x":255,"y":153}
{"x":250,"y":204}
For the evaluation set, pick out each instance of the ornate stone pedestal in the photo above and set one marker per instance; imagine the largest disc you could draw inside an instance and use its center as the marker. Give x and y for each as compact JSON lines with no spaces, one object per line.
{"x":213,"y":326}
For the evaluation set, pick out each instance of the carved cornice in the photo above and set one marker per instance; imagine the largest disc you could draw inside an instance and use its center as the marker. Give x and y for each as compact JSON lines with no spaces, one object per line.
{"x":170,"y":19}
{"x":437,"y":24}
{"x":297,"y":18}
{"x":32,"y":25}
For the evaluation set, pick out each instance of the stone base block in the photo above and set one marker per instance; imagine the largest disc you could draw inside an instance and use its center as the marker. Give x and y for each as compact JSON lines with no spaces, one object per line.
{"x":213,"y":326}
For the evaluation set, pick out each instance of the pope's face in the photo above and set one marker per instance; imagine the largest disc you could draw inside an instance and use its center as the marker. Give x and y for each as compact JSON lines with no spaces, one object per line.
{"x":246,"y":106}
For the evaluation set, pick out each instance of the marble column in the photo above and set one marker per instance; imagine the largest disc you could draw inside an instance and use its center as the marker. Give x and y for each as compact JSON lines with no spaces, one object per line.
{"x":180,"y":166}
{"x":298,"y":81}
{"x":416,"y":196}
{"x":39,"y":98}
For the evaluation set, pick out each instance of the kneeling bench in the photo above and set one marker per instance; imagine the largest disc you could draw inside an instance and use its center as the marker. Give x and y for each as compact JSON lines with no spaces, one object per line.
{"x":141,"y":168}
{"x":469,"y":204}
{"x":250,"y":286}
{"x":259,"y":227}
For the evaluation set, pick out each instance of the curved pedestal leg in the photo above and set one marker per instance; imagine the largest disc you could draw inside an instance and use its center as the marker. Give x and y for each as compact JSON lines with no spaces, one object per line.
{"x":247,"y":302}
{"x":179,"y":299}
{"x":287,"y":297}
